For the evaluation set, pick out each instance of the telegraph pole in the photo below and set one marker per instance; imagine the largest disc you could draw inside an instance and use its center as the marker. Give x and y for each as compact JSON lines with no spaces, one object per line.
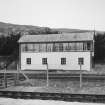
{"x":5,"y":77}
{"x":94,"y":47}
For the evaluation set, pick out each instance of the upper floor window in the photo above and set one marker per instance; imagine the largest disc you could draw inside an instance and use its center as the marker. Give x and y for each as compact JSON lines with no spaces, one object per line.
{"x":88,"y":46}
{"x":42,"y":47}
{"x":49,"y":47}
{"x":61,"y":47}
{"x":57,"y":47}
{"x":23,"y":47}
{"x":30,"y":47}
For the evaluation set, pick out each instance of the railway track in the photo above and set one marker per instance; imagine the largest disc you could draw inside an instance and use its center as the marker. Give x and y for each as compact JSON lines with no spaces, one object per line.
{"x":55,"y":75}
{"x":54,"y":96}
{"x":66,"y":76}
{"x":12,"y":76}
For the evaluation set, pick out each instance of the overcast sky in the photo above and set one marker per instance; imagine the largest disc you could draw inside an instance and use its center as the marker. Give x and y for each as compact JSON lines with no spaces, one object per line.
{"x":81,"y":14}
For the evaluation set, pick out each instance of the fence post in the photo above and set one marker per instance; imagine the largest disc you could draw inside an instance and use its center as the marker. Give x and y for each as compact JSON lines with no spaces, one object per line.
{"x":5,"y":78}
{"x":80,"y":75}
{"x":47,"y":75}
{"x":17,"y":77}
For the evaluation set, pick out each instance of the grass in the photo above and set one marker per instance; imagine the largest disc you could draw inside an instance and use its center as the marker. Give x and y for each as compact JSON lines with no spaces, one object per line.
{"x":69,"y":86}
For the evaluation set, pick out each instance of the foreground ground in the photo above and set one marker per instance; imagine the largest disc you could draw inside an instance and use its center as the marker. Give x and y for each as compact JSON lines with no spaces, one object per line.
{"x":10,"y":101}
{"x":61,"y":85}
{"x":89,"y":86}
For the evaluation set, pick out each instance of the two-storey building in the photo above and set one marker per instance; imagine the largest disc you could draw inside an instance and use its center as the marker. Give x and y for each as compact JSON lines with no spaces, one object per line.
{"x":59,"y":51}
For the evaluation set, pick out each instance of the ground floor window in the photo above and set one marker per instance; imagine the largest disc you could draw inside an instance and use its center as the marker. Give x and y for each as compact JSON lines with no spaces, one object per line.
{"x":28,"y":60}
{"x":63,"y":61}
{"x":81,"y":61}
{"x":44,"y":61}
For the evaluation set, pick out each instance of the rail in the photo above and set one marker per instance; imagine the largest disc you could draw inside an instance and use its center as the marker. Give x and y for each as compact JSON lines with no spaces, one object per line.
{"x":54,"y":96}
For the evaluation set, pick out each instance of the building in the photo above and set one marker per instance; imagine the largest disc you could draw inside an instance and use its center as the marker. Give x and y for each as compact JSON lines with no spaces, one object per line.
{"x":59,"y":51}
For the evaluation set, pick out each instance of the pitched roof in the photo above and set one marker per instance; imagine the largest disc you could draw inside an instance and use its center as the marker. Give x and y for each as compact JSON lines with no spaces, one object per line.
{"x":57,"y":37}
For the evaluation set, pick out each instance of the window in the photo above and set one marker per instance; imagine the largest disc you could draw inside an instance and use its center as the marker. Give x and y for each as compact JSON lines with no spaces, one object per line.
{"x":28,"y":60}
{"x":30,"y":47}
{"x":36,"y":47}
{"x":26,"y":47}
{"x":55,"y":47}
{"x":88,"y":45}
{"x":23,"y":47}
{"x":65,"y":46}
{"x":49,"y":47}
{"x":43,"y":47}
{"x":81,"y":61}
{"x":44,"y":61}
{"x":61,"y":47}
{"x":63,"y":61}
{"x":79,"y":46}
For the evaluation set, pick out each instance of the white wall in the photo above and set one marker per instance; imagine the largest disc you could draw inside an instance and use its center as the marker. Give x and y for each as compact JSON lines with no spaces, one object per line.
{"x":54,"y":60}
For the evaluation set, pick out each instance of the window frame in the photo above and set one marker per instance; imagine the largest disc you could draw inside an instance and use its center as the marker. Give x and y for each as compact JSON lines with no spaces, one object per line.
{"x":80,"y":61}
{"x":44,"y":61}
{"x":63,"y":61}
{"x":28,"y":61}
{"x":89,"y":46}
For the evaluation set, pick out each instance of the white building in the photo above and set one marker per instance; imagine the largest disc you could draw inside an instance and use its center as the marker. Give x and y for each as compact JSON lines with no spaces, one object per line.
{"x":59,"y":51}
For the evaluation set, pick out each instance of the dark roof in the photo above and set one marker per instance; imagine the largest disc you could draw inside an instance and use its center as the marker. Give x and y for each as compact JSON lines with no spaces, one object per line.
{"x":57,"y":37}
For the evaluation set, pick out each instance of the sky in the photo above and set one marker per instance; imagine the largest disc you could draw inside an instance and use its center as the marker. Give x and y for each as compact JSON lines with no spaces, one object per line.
{"x":78,"y":14}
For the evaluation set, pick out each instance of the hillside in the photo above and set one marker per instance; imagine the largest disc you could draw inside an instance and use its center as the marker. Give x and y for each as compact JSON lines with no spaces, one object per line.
{"x":8,"y":28}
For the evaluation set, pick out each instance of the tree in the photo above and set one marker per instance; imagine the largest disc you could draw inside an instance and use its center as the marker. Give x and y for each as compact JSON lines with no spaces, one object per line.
{"x":100,"y":47}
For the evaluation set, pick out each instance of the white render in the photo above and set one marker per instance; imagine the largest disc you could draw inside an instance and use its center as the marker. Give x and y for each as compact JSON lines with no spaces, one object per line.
{"x":54,"y":60}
